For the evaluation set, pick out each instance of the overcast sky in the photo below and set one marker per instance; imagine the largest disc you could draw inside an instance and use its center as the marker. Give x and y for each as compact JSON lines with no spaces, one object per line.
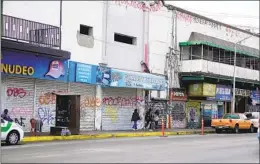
{"x":244,"y":13}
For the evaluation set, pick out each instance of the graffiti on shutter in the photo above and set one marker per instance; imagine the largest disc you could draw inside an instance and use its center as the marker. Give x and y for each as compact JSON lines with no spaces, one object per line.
{"x":118,"y":105}
{"x":45,"y":109}
{"x":178,"y":113}
{"x":88,"y":103}
{"x":19,"y":93}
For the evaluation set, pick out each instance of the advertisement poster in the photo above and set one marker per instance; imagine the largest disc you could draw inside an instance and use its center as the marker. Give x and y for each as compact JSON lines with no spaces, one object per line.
{"x":214,"y":111}
{"x":193,"y":114}
{"x":255,"y":96}
{"x":103,"y":76}
{"x":209,"y":90}
{"x":207,"y":112}
{"x":195,"y":89}
{"x":29,"y":65}
{"x":223,"y":93}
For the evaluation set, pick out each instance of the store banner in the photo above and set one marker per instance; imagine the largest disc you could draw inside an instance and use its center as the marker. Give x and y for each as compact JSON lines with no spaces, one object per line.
{"x":223,"y":93}
{"x":255,"y":96}
{"x":31,"y":65}
{"x":195,"y":89}
{"x":209,"y":90}
{"x":202,"y":89}
{"x":127,"y":79}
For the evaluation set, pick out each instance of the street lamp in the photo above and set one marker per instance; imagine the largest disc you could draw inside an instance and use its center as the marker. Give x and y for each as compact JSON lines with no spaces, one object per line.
{"x":234,"y":73}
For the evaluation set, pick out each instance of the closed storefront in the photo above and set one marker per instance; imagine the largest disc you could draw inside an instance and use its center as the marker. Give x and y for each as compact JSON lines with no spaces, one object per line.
{"x":178,"y":98}
{"x":18,"y":98}
{"x":28,"y":81}
{"x":88,"y":104}
{"x":117,"y":108}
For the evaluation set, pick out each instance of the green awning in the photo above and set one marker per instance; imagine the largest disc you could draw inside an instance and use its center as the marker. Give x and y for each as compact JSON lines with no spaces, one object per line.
{"x":200,"y":39}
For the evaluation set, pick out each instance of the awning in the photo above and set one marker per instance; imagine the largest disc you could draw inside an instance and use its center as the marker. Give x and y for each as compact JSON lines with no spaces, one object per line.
{"x":201,"y":39}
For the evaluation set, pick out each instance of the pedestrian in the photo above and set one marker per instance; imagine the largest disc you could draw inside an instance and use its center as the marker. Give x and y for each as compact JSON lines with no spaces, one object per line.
{"x":156,"y":118}
{"x":135,"y":118}
{"x":148,"y":118}
{"x":6,"y":116}
{"x":192,"y":118}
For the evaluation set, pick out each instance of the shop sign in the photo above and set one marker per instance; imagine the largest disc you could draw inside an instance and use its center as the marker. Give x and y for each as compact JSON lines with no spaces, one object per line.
{"x":195,"y":89}
{"x":120,"y":78}
{"x":255,"y":96}
{"x":202,"y":89}
{"x":178,"y":94}
{"x":209,"y":90}
{"x":242,"y":92}
{"x":223,"y":93}
{"x":28,"y":64}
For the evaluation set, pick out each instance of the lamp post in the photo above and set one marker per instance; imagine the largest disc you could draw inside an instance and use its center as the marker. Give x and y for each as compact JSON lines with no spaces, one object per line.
{"x":234,"y":73}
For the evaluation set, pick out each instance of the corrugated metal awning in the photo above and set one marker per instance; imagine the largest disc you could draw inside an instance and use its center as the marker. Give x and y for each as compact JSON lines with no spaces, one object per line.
{"x":201,"y":39}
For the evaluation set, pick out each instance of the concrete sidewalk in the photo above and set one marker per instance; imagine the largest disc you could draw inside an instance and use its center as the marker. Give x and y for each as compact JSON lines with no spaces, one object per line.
{"x":43,"y":137}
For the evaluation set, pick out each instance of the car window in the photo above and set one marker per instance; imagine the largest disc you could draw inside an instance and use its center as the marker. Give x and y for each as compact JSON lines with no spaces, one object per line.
{"x":2,"y":120}
{"x":254,"y":115}
{"x":242,"y":116}
{"x":231,"y":116}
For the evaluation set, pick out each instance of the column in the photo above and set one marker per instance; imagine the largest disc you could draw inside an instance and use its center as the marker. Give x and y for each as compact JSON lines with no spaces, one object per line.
{"x":98,"y":110}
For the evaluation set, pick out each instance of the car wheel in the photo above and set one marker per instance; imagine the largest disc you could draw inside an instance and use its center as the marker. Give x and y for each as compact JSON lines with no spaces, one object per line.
{"x":12,"y":138}
{"x":236,"y":129}
{"x":218,"y":131}
{"x":252,"y":129}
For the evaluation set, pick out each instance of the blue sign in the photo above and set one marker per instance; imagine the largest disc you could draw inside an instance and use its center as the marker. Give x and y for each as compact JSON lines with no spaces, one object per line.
{"x":223,"y":93}
{"x":82,"y":73}
{"x":27,"y":64}
{"x":128,"y":79}
{"x":255,"y":96}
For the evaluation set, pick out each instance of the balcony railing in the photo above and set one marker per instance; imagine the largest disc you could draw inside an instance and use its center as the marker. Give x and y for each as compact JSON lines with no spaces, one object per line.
{"x":31,"y":32}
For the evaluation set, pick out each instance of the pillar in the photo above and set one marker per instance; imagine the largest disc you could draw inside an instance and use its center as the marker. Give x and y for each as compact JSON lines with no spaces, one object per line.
{"x":98,"y":110}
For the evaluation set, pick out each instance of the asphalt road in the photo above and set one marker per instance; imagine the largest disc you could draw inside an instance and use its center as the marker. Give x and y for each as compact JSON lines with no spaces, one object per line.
{"x":214,"y":148}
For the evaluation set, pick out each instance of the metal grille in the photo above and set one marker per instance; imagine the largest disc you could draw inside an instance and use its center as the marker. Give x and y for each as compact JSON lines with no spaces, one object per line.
{"x":36,"y":33}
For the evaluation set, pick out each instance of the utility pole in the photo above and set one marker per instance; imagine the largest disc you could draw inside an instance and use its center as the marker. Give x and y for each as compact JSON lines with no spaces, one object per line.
{"x":1,"y":19}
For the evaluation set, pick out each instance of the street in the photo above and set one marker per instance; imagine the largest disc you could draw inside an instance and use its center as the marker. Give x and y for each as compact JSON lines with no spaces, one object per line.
{"x":214,"y":148}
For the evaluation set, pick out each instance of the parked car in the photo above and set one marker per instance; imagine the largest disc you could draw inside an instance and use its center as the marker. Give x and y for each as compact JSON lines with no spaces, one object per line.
{"x":254,"y":117}
{"x":11,"y":132}
{"x":234,"y":122}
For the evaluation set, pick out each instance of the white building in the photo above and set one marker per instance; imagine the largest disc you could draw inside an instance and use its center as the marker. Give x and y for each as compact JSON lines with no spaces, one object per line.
{"x":121,"y":35}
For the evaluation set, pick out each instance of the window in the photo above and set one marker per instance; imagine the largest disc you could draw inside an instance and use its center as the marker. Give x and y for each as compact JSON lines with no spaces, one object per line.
{"x":86,"y":30}
{"x":124,"y":39}
{"x":231,"y":116}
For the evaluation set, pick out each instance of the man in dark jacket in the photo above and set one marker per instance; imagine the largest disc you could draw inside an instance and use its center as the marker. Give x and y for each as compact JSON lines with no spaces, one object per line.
{"x":6,"y":116}
{"x":135,"y":118}
{"x":148,"y":118}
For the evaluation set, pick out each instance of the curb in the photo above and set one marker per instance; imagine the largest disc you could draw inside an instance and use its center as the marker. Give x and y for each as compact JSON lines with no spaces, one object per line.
{"x":107,"y":135}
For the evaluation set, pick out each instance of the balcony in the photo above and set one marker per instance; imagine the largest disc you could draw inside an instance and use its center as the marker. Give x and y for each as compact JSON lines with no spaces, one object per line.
{"x":27,"y":31}
{"x":209,"y":67}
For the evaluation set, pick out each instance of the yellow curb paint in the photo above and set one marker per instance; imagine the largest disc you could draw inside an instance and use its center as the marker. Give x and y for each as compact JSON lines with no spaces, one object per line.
{"x":107,"y":135}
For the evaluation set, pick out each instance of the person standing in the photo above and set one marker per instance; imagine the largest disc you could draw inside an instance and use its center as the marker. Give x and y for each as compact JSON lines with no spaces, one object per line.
{"x":156,"y":118}
{"x":135,"y":118}
{"x":148,"y":118}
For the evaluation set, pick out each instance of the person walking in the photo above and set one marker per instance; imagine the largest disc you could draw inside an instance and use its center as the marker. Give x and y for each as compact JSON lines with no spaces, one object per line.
{"x":135,"y":118}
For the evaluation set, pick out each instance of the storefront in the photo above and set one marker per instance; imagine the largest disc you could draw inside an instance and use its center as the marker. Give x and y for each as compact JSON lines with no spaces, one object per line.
{"x":199,"y":106}
{"x":126,"y":93}
{"x":27,"y":80}
{"x":177,"y":106}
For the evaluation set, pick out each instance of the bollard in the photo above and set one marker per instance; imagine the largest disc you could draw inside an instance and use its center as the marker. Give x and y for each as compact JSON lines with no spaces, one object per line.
{"x":163,"y":135}
{"x":202,"y":127}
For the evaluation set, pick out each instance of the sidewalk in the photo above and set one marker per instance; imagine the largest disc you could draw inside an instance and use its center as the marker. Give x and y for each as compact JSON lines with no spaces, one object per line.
{"x":43,"y":137}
